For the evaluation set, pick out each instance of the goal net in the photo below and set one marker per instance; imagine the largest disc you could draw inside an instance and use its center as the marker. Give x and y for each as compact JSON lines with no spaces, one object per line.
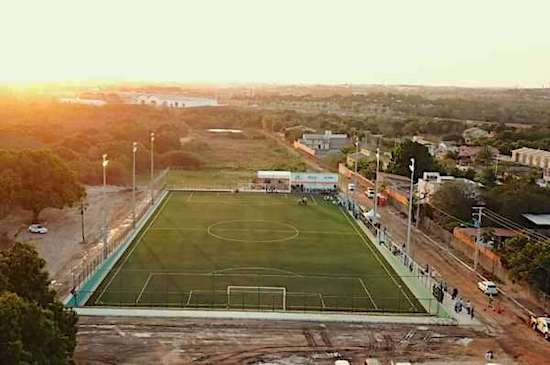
{"x":261,"y":297}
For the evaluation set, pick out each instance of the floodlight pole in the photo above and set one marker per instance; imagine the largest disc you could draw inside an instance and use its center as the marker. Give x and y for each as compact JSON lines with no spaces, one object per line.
{"x":376,"y":182}
{"x":134,"y":150}
{"x":104,"y":163}
{"x":152,"y":139}
{"x":408,"y":244}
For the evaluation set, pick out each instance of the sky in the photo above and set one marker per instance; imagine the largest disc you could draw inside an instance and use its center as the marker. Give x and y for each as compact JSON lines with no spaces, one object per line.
{"x":435,"y":42}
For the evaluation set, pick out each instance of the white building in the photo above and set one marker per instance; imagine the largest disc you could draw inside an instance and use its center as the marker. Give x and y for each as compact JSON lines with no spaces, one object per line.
{"x":77,"y":100}
{"x":432,"y":181}
{"x":302,"y":181}
{"x":174,"y":101}
{"x":308,"y":181}
{"x":534,"y":158}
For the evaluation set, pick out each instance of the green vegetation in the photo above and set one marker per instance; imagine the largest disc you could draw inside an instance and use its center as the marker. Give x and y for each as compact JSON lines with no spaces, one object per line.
{"x":200,"y":243}
{"x":34,"y":327}
{"x":401,"y":159}
{"x":528,"y":260}
{"x":452,"y":203}
{"x":35,"y":180}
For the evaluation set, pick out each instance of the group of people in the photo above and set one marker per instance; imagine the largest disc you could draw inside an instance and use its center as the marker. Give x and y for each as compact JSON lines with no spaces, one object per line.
{"x":460,"y":304}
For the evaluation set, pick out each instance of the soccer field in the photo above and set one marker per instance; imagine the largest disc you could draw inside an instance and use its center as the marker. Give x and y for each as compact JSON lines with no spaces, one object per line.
{"x":253,"y":251}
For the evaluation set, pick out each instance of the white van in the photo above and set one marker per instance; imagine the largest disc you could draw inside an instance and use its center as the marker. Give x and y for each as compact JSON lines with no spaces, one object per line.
{"x":488,"y":287}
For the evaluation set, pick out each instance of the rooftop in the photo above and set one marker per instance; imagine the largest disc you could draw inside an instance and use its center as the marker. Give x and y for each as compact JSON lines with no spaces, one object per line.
{"x":538,"y":219}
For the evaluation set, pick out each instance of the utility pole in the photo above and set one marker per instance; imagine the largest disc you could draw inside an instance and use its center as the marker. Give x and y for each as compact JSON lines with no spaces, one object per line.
{"x":408,"y":244}
{"x":152,"y":139}
{"x":478,"y":214}
{"x":104,"y":163}
{"x":134,"y":150}
{"x":82,"y":209}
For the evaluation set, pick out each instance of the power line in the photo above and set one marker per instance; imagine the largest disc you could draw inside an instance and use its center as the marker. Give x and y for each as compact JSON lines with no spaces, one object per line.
{"x":508,"y":223}
{"x":451,"y":216}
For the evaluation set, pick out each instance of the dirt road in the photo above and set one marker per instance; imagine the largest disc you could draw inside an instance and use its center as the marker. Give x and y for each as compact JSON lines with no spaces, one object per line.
{"x":62,"y":246}
{"x":509,"y":325}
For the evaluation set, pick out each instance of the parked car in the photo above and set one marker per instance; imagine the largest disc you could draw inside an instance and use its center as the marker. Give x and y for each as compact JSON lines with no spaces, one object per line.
{"x":542,"y":325}
{"x":488,"y":287}
{"x":351,"y":187}
{"x":370,"y":193}
{"x":37,"y":228}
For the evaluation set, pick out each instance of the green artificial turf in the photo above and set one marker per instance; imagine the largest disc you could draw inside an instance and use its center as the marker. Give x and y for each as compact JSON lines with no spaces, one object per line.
{"x":198,"y":244}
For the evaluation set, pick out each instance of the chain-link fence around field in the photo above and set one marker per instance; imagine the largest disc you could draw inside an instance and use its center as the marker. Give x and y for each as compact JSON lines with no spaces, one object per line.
{"x":94,"y":261}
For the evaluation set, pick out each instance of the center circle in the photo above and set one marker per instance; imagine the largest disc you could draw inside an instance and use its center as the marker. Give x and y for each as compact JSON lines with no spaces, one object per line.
{"x":254,"y":231}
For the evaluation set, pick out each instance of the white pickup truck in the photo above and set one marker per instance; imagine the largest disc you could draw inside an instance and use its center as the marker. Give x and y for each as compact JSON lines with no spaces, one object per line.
{"x":542,"y":325}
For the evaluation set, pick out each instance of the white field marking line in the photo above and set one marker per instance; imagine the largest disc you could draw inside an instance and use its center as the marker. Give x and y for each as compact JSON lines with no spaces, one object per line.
{"x":255,"y":268}
{"x":377,"y":258}
{"x":322,"y":301}
{"x":153,"y":219}
{"x":144,"y":287}
{"x":189,"y":298}
{"x":290,"y":275}
{"x":368,"y":293}
{"x":189,"y":197}
{"x":341,"y":233}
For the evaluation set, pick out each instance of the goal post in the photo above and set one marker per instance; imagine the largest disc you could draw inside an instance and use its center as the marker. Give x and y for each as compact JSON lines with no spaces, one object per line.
{"x":254,"y":296}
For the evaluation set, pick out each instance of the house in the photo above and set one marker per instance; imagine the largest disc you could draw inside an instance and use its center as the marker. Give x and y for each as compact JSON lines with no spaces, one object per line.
{"x":539,"y":222}
{"x":489,"y":236}
{"x":324,"y":143}
{"x":444,"y":148}
{"x":173,"y":101}
{"x":432,"y":182}
{"x":467,"y":155}
{"x":471,"y":135}
{"x":534,"y":158}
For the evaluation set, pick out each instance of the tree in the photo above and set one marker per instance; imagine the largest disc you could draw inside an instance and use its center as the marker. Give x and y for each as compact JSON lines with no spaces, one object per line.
{"x":367,"y":168}
{"x":517,"y":197}
{"x":452,"y":203}
{"x":485,"y":156}
{"x":402,"y":154}
{"x":487,"y":177}
{"x":34,"y":327}
{"x":24,"y":274}
{"x":46,"y":182}
{"x":528,"y":260}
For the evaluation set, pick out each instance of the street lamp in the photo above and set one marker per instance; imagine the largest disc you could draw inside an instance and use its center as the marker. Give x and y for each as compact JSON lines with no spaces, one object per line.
{"x":152,"y":165}
{"x":134,"y":150}
{"x":408,"y":244}
{"x":104,"y":163}
{"x":376,"y":182}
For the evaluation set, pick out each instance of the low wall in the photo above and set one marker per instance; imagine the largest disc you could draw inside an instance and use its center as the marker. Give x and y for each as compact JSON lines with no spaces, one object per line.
{"x":303,"y":147}
{"x":465,"y":245}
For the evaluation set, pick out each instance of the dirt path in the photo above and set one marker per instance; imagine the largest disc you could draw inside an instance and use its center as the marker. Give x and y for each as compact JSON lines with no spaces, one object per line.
{"x":510,"y":326}
{"x":62,"y":246}
{"x":191,"y":341}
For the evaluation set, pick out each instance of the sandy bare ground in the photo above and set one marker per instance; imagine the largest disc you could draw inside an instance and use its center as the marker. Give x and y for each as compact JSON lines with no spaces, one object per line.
{"x":62,"y":246}
{"x":191,"y":341}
